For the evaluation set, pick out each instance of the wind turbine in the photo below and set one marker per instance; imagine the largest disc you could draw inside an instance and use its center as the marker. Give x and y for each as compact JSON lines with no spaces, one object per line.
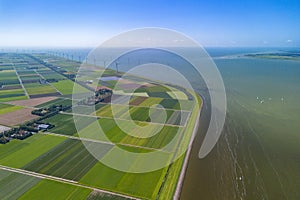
{"x":117,"y":66}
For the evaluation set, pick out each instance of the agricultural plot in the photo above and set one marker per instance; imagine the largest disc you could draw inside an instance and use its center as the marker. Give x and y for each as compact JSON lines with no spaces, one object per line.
{"x":144,"y":185}
{"x":113,"y":133}
{"x":7,"y":95}
{"x":98,"y":195}
{"x":17,"y":117}
{"x":177,"y":95}
{"x":143,"y":114}
{"x":32,"y":102}
{"x":106,"y":111}
{"x":13,"y":98}
{"x":14,"y":185}
{"x":36,"y":90}
{"x":135,"y":101}
{"x":25,"y":72}
{"x":6,"y":108}
{"x":69,"y":160}
{"x":30,"y":78}
{"x":8,"y":75}
{"x":6,"y":67}
{"x":64,"y":123}
{"x":121,"y":92}
{"x":56,"y":190}
{"x":66,"y":87}
{"x":49,"y":74}
{"x":55,"y":101}
{"x":10,"y":88}
{"x":150,"y":102}
{"x":18,"y":153}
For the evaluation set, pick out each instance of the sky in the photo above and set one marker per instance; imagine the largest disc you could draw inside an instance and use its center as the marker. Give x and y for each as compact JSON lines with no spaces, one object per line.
{"x":87,"y":23}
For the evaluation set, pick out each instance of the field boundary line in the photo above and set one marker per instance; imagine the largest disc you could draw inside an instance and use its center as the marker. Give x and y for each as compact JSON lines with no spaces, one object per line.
{"x":101,"y":117}
{"x":138,"y":106}
{"x":62,"y":180}
{"x":103,"y":142}
{"x":47,"y":81}
{"x":21,"y":83}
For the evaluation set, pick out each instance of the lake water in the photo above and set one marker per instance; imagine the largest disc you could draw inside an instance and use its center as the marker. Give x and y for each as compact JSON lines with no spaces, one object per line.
{"x":258,"y":154}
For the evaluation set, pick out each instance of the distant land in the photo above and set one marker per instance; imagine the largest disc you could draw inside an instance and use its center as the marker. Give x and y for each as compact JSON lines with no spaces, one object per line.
{"x":291,"y":55}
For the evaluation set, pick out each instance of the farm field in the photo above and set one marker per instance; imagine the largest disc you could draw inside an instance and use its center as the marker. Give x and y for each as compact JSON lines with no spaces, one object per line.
{"x":8,"y":75}
{"x":146,"y":114}
{"x":144,"y":185}
{"x":38,"y":89}
{"x":66,"y":87}
{"x":49,"y":74}
{"x":55,"y":101}
{"x":17,"y":117}
{"x":69,"y":160}
{"x":14,"y":185}
{"x":59,"y":191}
{"x":32,"y":102}
{"x":20,"y":152}
{"x":10,"y":95}
{"x":6,"y":108}
{"x":59,"y":151}
{"x":114,"y":134}
{"x":64,"y":123}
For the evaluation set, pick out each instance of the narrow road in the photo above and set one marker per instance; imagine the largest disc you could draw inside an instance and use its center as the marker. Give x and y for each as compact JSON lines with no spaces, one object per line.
{"x":47,"y":82}
{"x":99,"y":117}
{"x":21,"y":83}
{"x":103,"y":142}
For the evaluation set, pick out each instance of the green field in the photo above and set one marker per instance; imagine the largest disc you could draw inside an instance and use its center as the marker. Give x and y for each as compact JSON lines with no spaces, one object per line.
{"x":33,"y":77}
{"x":6,"y":108}
{"x":10,"y":95}
{"x":164,"y":134}
{"x":59,"y":101}
{"x":64,"y":123}
{"x":37,"y":88}
{"x":8,"y":75}
{"x":150,"y":101}
{"x":69,"y":160}
{"x":56,"y":190}
{"x":143,"y":114}
{"x":145,"y":185}
{"x":49,"y":74}
{"x":66,"y":87}
{"x":13,"y":98}
{"x":17,"y":153}
{"x":13,"y":185}
{"x":26,"y":72}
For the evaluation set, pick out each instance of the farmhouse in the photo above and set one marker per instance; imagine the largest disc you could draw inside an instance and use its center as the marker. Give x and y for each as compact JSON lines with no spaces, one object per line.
{"x":43,"y":126}
{"x":22,"y":134}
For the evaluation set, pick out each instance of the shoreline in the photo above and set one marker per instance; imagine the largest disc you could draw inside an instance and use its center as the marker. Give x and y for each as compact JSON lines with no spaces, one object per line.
{"x":177,"y":193}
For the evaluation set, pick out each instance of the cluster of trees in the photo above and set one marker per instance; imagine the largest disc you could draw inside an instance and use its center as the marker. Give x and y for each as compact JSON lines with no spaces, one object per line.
{"x":20,"y":133}
{"x":51,"y":80}
{"x":100,"y":95}
{"x":50,"y":110}
{"x":3,"y":139}
{"x":32,"y":67}
{"x":24,"y":131}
